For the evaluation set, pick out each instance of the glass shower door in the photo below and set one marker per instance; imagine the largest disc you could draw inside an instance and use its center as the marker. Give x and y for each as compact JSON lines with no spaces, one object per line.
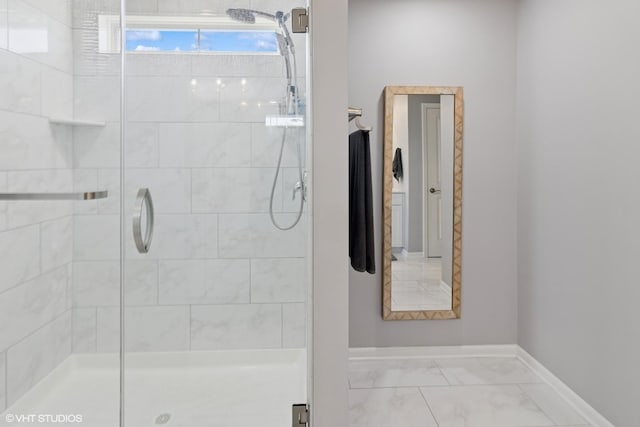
{"x":215,"y":301}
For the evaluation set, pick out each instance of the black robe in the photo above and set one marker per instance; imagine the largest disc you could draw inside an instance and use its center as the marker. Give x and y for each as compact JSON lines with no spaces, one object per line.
{"x":361,"y":238}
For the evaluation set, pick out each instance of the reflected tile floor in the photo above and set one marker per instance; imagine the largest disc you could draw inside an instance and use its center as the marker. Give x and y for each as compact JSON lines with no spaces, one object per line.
{"x":417,"y":285}
{"x":453,"y":392}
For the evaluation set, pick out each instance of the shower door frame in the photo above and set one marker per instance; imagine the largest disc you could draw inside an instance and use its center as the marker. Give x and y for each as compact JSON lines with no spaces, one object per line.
{"x":125,"y":232}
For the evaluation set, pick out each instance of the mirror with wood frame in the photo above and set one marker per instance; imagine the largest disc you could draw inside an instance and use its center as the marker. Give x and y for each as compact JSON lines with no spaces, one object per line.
{"x":422,"y":202}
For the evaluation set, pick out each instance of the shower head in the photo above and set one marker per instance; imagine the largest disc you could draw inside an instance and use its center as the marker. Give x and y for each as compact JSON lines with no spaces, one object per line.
{"x":248,"y":16}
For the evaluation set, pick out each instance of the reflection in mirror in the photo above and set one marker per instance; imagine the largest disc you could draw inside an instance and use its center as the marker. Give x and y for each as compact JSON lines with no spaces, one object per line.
{"x":423,"y":139}
{"x":421,"y":225}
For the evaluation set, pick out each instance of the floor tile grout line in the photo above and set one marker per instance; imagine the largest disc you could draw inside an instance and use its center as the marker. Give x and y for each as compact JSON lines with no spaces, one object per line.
{"x":435,"y":357}
{"x":428,"y":406}
{"x":446,"y":385}
{"x":435,"y":362}
{"x":523,"y":391}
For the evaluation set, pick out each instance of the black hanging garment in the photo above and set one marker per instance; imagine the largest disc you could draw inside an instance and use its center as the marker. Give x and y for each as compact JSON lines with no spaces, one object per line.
{"x":361,"y":239}
{"x":397,"y":165}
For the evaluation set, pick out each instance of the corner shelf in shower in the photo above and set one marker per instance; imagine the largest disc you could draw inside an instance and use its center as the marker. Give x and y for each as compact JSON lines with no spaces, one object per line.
{"x":284,"y":121}
{"x":71,"y":122}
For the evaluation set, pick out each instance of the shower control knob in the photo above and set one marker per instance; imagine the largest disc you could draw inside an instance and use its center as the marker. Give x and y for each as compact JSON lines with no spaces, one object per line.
{"x":298,"y":187}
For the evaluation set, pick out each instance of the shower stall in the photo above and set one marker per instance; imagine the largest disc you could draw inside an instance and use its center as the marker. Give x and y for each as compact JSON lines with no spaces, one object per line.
{"x":154,"y":213}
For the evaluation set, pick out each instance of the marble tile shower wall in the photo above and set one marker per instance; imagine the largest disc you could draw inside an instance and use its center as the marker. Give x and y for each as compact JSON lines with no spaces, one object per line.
{"x":36,"y":82}
{"x":219,"y":275}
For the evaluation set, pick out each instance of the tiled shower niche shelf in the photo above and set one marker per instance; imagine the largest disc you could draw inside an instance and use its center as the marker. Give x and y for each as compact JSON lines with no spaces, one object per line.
{"x":72,"y":122}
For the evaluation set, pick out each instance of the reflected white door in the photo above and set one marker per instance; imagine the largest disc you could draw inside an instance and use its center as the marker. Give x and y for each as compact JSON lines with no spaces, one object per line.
{"x":432,"y":180}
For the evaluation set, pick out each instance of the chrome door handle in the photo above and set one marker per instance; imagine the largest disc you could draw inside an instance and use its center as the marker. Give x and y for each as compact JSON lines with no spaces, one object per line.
{"x":143,"y":200}
{"x":433,"y":190}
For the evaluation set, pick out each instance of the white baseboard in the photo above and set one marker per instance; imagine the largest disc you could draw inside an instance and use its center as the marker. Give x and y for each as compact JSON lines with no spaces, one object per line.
{"x":586,"y":411}
{"x":571,"y":397}
{"x":428,"y":352}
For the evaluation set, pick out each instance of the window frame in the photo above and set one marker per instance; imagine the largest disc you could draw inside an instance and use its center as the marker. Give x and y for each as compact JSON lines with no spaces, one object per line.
{"x":109,"y":31}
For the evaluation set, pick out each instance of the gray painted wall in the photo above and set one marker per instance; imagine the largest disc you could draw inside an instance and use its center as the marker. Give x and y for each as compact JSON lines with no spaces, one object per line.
{"x":459,"y":43}
{"x":579,"y":203}
{"x":415,"y":159}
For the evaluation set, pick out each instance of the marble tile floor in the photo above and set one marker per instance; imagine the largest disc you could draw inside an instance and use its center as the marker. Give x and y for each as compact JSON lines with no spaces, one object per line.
{"x":453,"y":392}
{"x":416,"y":285}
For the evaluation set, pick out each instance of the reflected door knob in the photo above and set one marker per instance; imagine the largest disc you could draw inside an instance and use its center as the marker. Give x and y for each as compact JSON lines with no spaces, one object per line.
{"x":433,"y":190}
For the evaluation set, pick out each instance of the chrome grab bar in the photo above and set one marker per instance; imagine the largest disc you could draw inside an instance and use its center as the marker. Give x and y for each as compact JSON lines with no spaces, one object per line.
{"x":92,"y":195}
{"x":143,"y":200}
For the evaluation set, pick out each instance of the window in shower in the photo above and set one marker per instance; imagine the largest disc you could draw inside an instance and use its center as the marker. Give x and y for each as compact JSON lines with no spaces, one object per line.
{"x":145,"y":40}
{"x":185,"y":34}
{"x":199,"y":40}
{"x":238,"y":41}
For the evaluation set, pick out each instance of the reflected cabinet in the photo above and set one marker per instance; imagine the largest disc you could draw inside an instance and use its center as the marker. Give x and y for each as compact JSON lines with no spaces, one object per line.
{"x":422,"y":246}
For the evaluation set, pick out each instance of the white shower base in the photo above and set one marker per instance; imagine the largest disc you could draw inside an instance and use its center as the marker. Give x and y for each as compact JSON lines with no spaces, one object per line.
{"x":196,"y":389}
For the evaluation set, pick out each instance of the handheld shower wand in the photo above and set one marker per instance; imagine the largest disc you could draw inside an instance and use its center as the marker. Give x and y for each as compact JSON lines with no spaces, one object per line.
{"x":287,"y":50}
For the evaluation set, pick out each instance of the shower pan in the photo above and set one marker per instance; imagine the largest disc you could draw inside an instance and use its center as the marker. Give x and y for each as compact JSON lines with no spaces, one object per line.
{"x":154,"y":261}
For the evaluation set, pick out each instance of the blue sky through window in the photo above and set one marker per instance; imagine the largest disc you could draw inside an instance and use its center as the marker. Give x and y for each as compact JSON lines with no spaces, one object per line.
{"x":145,"y":40}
